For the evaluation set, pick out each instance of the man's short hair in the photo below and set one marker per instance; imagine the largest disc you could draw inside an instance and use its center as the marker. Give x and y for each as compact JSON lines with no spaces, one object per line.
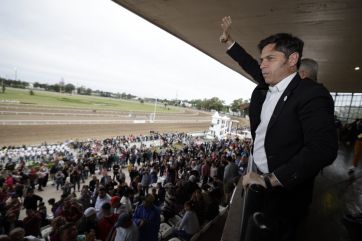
{"x":106,"y":206}
{"x":311,"y":67}
{"x":124,"y":220}
{"x":17,"y":234}
{"x":285,"y":43}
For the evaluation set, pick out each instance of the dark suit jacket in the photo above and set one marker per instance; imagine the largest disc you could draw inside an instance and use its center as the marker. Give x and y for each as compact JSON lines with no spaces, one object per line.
{"x":301,"y":137}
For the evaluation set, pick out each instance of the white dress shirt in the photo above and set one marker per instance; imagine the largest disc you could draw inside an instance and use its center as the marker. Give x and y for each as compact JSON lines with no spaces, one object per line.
{"x":271,"y":100}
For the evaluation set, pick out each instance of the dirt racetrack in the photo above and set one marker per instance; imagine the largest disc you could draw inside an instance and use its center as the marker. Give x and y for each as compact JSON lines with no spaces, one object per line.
{"x":36,"y":134}
{"x":31,"y":125}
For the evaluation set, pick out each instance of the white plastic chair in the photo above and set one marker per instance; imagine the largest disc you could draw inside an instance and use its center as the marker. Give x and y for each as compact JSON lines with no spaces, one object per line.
{"x":165,"y":230}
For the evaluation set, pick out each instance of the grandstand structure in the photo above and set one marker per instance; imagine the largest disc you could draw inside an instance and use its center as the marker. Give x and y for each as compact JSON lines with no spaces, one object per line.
{"x":329,"y":29}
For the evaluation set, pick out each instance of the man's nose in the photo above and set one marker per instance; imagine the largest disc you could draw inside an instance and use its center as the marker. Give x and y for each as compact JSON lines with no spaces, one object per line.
{"x":262,"y":64}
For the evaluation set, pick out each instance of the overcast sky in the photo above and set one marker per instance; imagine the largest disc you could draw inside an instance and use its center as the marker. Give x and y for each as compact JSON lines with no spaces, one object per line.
{"x":99,"y":44}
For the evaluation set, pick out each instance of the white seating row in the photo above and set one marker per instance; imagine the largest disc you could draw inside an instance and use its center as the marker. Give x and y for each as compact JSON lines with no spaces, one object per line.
{"x":205,"y":227}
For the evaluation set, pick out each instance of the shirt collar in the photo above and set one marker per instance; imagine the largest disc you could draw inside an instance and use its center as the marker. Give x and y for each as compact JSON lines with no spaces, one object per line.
{"x":283,"y":84}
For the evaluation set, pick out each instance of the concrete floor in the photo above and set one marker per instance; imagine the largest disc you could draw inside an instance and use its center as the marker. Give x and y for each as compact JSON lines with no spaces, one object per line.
{"x":335,"y":194}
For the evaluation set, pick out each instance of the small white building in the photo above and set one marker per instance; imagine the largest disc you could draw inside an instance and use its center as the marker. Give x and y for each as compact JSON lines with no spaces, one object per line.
{"x":220,"y":126}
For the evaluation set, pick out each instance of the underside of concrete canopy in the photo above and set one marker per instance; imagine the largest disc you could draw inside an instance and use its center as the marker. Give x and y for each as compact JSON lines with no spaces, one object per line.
{"x":331,"y":30}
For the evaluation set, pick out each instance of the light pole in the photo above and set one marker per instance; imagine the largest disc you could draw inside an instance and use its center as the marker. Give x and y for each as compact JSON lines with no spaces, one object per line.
{"x":154,"y":111}
{"x":16,"y":73}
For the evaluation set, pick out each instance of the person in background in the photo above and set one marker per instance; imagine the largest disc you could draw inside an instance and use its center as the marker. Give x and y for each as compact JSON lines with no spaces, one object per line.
{"x":106,"y":223}
{"x":88,"y":221}
{"x":126,"y":229}
{"x":357,"y":154}
{"x":308,"y":69}
{"x":102,"y":198}
{"x":32,"y":223}
{"x":147,"y":217}
{"x":56,"y":224}
{"x":117,"y":207}
{"x":189,"y":224}
{"x":31,"y":200}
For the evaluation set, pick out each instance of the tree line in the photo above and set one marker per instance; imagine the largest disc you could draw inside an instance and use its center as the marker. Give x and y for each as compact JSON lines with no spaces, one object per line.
{"x":62,"y":87}
{"x":213,"y":103}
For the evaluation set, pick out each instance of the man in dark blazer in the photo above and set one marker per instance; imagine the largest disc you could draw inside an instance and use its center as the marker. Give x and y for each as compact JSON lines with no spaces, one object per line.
{"x":292,"y":125}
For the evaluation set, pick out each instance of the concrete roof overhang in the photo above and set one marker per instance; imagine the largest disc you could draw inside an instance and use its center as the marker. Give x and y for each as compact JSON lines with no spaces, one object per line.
{"x":331,"y":30}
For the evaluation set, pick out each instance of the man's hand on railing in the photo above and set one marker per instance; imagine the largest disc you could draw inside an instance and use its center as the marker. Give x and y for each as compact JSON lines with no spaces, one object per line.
{"x":253,"y":178}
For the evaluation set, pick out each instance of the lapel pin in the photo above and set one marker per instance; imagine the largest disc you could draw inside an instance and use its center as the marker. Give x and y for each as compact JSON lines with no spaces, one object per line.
{"x":285,"y":98}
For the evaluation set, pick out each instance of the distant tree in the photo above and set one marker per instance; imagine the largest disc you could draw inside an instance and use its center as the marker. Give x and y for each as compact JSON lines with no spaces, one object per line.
{"x":235,"y":106}
{"x":3,"y":86}
{"x":88,"y":91}
{"x":123,"y":95}
{"x":214,"y":104}
{"x":31,"y":92}
{"x":129,"y":96}
{"x":16,"y":83}
{"x":55,"y":87}
{"x":105,"y":94}
{"x":68,"y":88}
{"x":197,"y":104}
{"x":81,"y":90}
{"x":141,"y":100}
{"x":36,"y":85}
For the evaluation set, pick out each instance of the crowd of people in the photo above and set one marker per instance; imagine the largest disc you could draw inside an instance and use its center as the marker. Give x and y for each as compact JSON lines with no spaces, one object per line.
{"x":126,"y":189}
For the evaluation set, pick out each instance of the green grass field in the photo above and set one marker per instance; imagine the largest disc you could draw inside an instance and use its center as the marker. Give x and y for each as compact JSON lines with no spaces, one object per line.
{"x":45,"y":98}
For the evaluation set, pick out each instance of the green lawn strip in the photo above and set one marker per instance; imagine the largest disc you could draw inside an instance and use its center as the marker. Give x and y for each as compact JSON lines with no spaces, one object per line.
{"x":80,"y":101}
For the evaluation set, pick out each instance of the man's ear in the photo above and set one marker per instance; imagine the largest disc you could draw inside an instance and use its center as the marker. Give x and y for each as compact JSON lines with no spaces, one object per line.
{"x":293,"y":59}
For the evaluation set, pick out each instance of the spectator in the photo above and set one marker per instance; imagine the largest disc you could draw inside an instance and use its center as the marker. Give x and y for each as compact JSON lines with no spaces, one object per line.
{"x":161,"y":193}
{"x":117,"y":207}
{"x":308,"y":69}
{"x":147,"y":218}
{"x":32,"y":223}
{"x":106,"y":223}
{"x":126,"y":229}
{"x":67,"y":187}
{"x":56,"y":224}
{"x":17,"y":234}
{"x":59,"y":179}
{"x":72,"y":211}
{"x":126,"y":201}
{"x":189,"y":224}
{"x":88,"y":221}
{"x":145,"y":182}
{"x":31,"y":200}
{"x":199,"y":205}
{"x":102,"y":198}
{"x":205,"y":172}
{"x":116,"y":169}
{"x":11,"y":222}
{"x":231,"y":171}
{"x":93,"y":183}
{"x":106,"y":180}
{"x":69,"y":232}
{"x":85,"y":197}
